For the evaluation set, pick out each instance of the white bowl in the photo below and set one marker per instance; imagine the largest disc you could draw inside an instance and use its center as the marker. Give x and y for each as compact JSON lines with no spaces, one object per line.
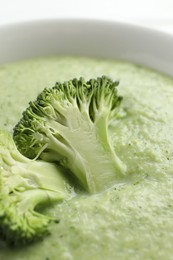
{"x":87,"y":38}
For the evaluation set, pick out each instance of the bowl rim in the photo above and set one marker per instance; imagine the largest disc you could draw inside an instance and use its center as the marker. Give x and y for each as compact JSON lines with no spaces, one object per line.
{"x":97,"y":21}
{"x":157,"y":37}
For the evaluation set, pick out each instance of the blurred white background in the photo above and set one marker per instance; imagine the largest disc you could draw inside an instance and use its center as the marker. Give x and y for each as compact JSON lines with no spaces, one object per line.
{"x":152,"y":13}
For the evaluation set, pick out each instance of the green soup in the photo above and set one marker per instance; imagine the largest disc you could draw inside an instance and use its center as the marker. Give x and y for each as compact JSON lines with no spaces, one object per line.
{"x":129,"y":221}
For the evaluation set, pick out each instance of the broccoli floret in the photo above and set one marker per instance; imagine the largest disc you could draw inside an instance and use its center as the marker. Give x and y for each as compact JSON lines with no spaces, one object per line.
{"x":24,"y":186}
{"x":69,"y":123}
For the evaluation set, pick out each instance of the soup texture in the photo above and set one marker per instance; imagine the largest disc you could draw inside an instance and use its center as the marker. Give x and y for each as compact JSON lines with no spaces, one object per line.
{"x":132,"y":220}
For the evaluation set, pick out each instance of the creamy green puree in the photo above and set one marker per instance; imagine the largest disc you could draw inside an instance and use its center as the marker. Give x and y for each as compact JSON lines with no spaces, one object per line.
{"x":135,"y":219}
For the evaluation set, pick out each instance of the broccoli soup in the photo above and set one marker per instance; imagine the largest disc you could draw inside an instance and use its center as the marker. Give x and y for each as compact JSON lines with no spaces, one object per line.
{"x":132,"y":217}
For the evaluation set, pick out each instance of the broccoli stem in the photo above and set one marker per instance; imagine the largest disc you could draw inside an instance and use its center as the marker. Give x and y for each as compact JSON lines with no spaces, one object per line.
{"x":96,"y":169}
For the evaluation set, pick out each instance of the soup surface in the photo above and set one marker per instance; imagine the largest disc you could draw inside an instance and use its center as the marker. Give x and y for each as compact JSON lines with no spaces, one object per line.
{"x":129,"y":221}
